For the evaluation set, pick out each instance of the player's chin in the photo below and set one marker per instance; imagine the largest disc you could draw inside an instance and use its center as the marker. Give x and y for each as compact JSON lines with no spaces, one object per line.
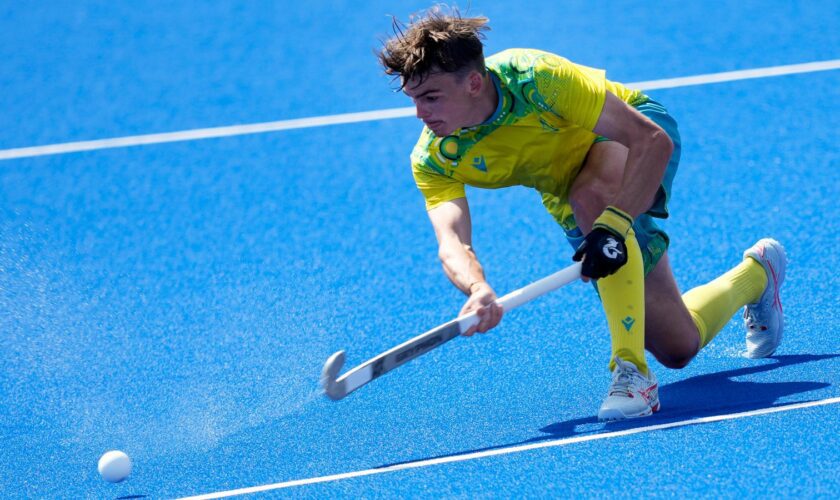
{"x":440,"y":128}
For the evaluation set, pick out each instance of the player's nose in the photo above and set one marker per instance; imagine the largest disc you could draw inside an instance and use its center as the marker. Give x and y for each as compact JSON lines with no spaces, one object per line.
{"x":421,"y":111}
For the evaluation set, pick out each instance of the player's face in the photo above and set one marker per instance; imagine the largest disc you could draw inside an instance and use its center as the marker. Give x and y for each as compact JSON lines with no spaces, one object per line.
{"x":444,"y":101}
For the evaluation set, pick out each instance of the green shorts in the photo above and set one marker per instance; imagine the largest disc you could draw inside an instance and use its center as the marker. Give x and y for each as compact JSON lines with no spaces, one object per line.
{"x":652,"y":239}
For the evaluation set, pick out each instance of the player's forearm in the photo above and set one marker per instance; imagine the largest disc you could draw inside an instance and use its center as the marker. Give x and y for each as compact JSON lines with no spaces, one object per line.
{"x":461,"y":266}
{"x":646,"y":163}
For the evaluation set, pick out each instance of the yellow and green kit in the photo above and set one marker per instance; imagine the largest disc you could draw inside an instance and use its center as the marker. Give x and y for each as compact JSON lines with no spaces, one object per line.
{"x":538,"y":137}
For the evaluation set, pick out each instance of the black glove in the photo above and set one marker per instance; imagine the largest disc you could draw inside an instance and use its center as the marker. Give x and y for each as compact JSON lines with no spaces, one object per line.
{"x":603,"y":250}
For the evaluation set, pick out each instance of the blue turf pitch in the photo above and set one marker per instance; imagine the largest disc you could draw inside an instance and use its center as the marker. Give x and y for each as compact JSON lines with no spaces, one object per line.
{"x":177,"y":301}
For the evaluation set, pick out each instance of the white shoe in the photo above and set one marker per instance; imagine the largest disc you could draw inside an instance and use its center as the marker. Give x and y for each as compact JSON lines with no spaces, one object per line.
{"x":765,"y":320}
{"x":631,"y":394}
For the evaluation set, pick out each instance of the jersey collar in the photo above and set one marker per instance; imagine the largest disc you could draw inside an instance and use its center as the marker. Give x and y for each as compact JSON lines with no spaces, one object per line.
{"x":500,"y":97}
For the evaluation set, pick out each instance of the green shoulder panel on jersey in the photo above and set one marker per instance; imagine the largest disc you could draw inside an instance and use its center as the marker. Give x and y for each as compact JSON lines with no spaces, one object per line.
{"x":555,"y":85}
{"x":516,"y":68}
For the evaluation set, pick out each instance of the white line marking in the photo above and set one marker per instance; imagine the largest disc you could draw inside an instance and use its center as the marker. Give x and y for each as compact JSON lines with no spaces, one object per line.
{"x":205,"y":133}
{"x":514,"y":449}
{"x":731,"y":76}
{"x":383,"y":114}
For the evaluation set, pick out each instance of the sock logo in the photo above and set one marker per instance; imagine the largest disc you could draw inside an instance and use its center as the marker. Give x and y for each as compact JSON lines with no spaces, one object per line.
{"x":628,"y":323}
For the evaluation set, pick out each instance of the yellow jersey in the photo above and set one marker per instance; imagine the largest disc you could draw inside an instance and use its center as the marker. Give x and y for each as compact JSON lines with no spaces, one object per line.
{"x":538,"y":136}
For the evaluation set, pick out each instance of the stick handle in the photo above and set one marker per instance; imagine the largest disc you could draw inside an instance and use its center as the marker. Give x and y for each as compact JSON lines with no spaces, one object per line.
{"x":527,"y":293}
{"x":337,"y":388}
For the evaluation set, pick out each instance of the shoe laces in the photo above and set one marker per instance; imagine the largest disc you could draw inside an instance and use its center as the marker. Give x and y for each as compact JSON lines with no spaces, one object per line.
{"x":752,"y":321}
{"x":623,"y":380}
{"x":749,"y":317}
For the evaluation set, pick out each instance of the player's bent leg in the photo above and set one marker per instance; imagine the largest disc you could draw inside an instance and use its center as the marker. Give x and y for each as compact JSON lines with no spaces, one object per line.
{"x":633,"y":391}
{"x":623,"y":300}
{"x":670,"y":334}
{"x":754,"y":282}
{"x":622,"y":294}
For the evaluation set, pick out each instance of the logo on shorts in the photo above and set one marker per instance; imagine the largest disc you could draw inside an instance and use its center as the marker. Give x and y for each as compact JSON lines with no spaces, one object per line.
{"x":611,"y":249}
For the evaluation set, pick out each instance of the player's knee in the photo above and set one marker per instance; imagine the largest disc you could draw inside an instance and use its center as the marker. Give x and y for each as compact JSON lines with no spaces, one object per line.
{"x":675,"y":362}
{"x":678,"y":355}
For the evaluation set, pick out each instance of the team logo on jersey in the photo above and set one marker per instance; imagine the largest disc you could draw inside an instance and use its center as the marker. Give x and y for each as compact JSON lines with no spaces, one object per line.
{"x":448,"y":147}
{"x":628,"y":323}
{"x":611,"y":249}
{"x":479,"y":163}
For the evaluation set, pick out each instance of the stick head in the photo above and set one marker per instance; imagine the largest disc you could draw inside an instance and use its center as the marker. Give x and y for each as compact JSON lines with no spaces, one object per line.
{"x":329,"y":374}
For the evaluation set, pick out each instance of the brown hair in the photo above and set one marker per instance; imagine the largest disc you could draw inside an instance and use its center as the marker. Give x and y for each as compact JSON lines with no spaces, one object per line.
{"x":434,"y":41}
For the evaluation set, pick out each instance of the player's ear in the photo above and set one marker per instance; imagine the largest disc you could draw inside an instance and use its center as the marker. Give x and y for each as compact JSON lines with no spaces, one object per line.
{"x":475,"y":82}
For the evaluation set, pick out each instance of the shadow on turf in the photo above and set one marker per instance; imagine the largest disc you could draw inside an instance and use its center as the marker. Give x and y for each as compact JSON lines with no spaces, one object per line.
{"x":706,"y":395}
{"x":695,"y":397}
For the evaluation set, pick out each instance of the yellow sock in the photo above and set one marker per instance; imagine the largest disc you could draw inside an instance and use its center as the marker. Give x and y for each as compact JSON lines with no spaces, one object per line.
{"x":712,"y":305}
{"x":623,"y":297}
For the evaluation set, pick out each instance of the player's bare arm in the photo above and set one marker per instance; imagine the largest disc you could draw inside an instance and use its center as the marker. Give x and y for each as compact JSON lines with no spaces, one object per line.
{"x":453,"y":228}
{"x":649,"y":150}
{"x":603,"y":251}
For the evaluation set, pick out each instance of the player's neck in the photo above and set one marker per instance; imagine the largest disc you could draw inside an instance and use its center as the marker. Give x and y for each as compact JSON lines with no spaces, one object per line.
{"x":486,"y":101}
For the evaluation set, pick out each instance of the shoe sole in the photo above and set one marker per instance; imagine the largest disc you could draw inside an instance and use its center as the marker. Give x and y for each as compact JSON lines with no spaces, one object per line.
{"x":613,"y":415}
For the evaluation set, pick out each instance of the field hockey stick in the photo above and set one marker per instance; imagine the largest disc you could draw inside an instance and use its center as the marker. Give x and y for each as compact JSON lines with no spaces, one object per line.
{"x":338,"y":387}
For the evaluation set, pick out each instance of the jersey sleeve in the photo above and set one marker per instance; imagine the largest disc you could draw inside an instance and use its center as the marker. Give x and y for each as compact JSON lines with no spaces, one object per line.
{"x":436,"y":188}
{"x":575,"y":93}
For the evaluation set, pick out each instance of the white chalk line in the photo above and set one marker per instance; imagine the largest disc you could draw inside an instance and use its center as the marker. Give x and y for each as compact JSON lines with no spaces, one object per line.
{"x":514,"y":449}
{"x":383,"y":114}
